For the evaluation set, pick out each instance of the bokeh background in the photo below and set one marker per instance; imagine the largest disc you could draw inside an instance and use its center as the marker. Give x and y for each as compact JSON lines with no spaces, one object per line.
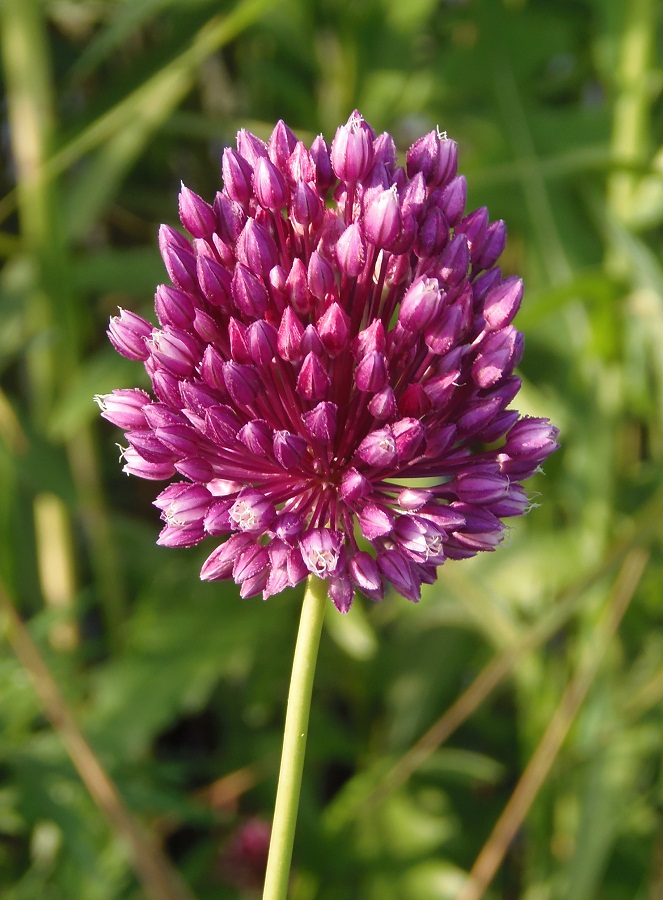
{"x":512,"y":717}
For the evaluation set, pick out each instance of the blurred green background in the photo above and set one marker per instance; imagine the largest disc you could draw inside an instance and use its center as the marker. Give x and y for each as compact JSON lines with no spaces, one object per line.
{"x":549,"y":650}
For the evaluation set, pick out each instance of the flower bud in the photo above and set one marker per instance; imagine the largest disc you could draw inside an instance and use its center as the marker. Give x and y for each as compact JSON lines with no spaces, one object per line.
{"x":493,"y":245}
{"x":372,"y":372}
{"x":365,"y":573}
{"x":249,"y":292}
{"x":242,"y":382}
{"x":532,"y":439}
{"x":230,"y":216}
{"x":256,"y":248}
{"x":313,"y":381}
{"x":237,"y":175}
{"x":502,"y":302}
{"x":281,"y":144}
{"x":320,"y":276}
{"x":250,"y":147}
{"x":300,"y":165}
{"x":207,"y":328}
{"x":219,"y":564}
{"x":175,"y":349}
{"x":289,"y":449}
{"x":433,"y":234}
{"x":178,"y":258}
{"x":382,"y":219}
{"x":384,"y":152}
{"x":455,"y":261}
{"x":128,"y":333}
{"x":306,"y":209}
{"x":383,"y":405}
{"x":173,"y":307}
{"x":215,"y":281}
{"x":333,"y":327}
{"x":239,"y":345}
{"x":289,"y":339}
{"x":320,"y":422}
{"x":341,"y":593}
{"x":420,"y":305}
{"x":435,"y":156}
{"x":354,"y":486}
{"x":296,"y":289}
{"x":375,"y":521}
{"x":474,"y":226}
{"x":408,"y":435}
{"x":257,"y":437}
{"x":263,"y":342}
{"x":124,"y":408}
{"x":324,"y":174}
{"x":378,"y":448}
{"x":196,"y":215}
{"x":396,"y":568}
{"x":351,"y":251}
{"x":498,"y":354}
{"x":453,"y":199}
{"x":269,"y":185}
{"x":352,"y":150}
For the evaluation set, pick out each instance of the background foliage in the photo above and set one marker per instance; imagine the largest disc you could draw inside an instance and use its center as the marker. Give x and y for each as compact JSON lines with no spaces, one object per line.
{"x":539,"y":668}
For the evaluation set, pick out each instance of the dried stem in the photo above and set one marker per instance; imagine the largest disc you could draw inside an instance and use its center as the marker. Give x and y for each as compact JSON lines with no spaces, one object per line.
{"x":160,"y":881}
{"x":520,"y":802}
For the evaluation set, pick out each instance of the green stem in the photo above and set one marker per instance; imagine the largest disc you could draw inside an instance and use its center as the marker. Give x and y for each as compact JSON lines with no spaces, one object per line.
{"x":629,"y":144}
{"x":294,"y":740}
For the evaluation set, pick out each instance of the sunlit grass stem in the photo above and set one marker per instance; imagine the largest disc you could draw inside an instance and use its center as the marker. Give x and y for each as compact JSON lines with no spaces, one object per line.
{"x":54,"y":314}
{"x":630,"y":124}
{"x":294,"y":740}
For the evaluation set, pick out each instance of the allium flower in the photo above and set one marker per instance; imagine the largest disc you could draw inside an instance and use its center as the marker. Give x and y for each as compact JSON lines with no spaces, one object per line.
{"x":333,"y":369}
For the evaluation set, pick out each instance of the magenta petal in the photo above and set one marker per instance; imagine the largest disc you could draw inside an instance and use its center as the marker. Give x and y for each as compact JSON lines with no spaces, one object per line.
{"x":502,"y":302}
{"x":125,"y":408}
{"x":378,"y":448}
{"x":313,"y":381}
{"x":196,"y":215}
{"x":341,"y":593}
{"x":257,"y":437}
{"x":128,"y":333}
{"x":351,"y":250}
{"x":375,"y":522}
{"x":320,"y":422}
{"x":397,"y":569}
{"x":365,"y":573}
{"x":322,"y":551}
{"x":289,"y":449}
{"x":352,"y":150}
{"x":252,"y":511}
{"x":354,"y":487}
{"x":372,"y":372}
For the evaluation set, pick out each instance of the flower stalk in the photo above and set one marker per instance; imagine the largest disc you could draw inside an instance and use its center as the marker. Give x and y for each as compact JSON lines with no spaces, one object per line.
{"x":294,"y":740}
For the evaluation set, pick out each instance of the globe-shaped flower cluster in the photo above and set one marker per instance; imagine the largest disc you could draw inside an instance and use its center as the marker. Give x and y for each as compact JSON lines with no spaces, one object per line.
{"x":332,"y":370}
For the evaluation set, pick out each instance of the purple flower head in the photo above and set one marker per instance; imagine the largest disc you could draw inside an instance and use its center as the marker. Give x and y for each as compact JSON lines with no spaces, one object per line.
{"x":333,"y":369}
